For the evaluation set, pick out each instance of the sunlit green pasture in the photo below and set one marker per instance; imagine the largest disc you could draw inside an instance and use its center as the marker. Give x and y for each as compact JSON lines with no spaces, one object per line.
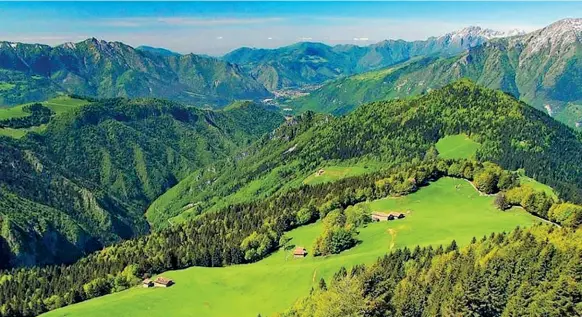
{"x":445,"y":210}
{"x":457,"y":147}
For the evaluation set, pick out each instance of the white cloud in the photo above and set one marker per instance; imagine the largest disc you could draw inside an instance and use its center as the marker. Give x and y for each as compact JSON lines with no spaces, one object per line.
{"x":219,"y":37}
{"x":361,"y":39}
{"x":305,"y":38}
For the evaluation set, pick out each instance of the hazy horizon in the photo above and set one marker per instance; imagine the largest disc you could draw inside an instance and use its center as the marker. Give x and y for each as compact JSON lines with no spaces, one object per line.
{"x":215,"y":28}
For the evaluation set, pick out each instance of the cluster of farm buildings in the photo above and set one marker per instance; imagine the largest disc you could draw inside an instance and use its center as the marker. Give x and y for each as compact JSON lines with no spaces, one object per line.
{"x":381,"y":216}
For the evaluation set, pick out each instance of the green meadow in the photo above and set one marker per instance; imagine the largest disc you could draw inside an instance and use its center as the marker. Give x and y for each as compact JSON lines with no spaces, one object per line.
{"x":58,"y":104}
{"x":6,"y":86}
{"x":445,"y":210}
{"x":528,"y":181}
{"x":64,"y":103}
{"x":457,"y":147}
{"x":19,"y":133}
{"x":12,"y":112}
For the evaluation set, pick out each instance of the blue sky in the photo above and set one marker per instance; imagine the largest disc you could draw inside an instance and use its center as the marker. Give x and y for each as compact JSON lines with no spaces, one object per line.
{"x":218,"y":27}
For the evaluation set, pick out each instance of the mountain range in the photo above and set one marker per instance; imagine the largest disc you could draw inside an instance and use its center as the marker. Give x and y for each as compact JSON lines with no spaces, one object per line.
{"x":34,"y":72}
{"x":313,"y":63}
{"x":541,"y":68}
{"x":105,"y":163}
{"x":110,"y":188}
{"x":96,"y":68}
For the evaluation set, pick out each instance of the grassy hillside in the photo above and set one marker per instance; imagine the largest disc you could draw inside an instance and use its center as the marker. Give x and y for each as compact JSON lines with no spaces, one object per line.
{"x":58,"y":105}
{"x":530,"y":182}
{"x":447,"y":209}
{"x":258,"y":194}
{"x":510,"y":132}
{"x":100,"y":165}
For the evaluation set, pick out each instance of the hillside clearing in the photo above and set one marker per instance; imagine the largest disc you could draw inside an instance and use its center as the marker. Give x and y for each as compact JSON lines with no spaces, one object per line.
{"x":333,"y":173}
{"x":447,"y":209}
{"x":59,"y":105}
{"x":6,"y":86}
{"x":19,"y":133}
{"x":528,"y":181}
{"x":457,"y":147}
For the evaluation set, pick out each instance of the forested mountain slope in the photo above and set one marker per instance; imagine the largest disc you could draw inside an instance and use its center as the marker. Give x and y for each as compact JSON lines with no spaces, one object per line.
{"x":512,"y":134}
{"x":33,"y":72}
{"x":400,"y":134}
{"x":541,"y":68}
{"x":85,"y":182}
{"x":313,"y":63}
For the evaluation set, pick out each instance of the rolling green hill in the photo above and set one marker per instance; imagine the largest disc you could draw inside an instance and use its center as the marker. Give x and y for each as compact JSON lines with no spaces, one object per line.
{"x":391,"y":132}
{"x":540,"y":68}
{"x":34,"y":72}
{"x":86,"y":179}
{"x":273,"y":284}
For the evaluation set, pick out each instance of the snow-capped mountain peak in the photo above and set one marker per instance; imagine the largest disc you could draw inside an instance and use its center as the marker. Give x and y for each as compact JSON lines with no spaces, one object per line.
{"x":477,"y":31}
{"x":566,"y":25}
{"x":556,"y":35}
